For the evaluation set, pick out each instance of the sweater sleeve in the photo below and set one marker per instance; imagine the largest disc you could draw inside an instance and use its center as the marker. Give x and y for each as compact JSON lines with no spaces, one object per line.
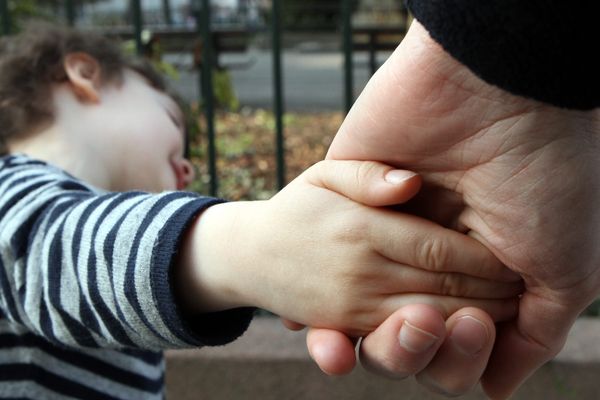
{"x":85,"y":269}
{"x":541,"y":49}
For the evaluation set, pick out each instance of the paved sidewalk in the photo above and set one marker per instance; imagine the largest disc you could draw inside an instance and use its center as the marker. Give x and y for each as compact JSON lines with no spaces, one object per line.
{"x":270,"y":362}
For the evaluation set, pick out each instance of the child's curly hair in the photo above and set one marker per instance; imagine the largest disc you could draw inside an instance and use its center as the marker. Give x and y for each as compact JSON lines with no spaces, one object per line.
{"x":32,"y":61}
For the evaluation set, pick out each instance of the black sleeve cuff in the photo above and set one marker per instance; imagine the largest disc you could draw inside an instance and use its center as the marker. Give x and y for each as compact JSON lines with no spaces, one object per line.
{"x":210,"y":329}
{"x":541,"y":49}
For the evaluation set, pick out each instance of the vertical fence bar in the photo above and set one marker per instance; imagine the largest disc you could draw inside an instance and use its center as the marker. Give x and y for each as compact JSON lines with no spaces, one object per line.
{"x":278,"y":92}
{"x":206,"y":80}
{"x":348,"y":61}
{"x":136,"y":14}
{"x":4,"y":17}
{"x":70,"y":12}
{"x":166,"y":5}
{"x":373,"y":52}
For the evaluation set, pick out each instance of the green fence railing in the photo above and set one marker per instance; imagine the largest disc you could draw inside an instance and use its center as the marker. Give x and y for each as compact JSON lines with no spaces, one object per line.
{"x":70,"y":12}
{"x":206,"y":79}
{"x":348,"y":56}
{"x":138,"y":24}
{"x":4,"y":17}
{"x":278,"y":92}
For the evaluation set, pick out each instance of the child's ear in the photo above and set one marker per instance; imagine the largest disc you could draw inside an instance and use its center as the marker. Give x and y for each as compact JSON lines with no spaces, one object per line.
{"x":83,"y":72}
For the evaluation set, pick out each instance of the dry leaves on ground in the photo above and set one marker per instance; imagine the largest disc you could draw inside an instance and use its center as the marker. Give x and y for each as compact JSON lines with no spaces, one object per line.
{"x":246,"y":151}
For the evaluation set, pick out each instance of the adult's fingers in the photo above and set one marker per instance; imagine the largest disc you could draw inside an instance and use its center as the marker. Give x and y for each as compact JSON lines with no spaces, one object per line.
{"x":461,"y":360}
{"x":523,"y":345}
{"x":333,"y":351}
{"x":292,"y":325}
{"x":498,"y":310}
{"x":412,"y":341}
{"x":367,"y":182}
{"x":404,"y":343}
{"x":400,"y":346}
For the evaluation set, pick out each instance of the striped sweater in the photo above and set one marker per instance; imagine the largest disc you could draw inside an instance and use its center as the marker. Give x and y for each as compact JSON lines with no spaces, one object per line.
{"x":86,"y":303}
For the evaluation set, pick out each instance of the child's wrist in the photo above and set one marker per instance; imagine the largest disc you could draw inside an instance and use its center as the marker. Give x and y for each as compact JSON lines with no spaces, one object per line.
{"x":209,"y":269}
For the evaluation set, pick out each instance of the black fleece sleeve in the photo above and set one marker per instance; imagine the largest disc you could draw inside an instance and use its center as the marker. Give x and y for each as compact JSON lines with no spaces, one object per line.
{"x":547,"y":50}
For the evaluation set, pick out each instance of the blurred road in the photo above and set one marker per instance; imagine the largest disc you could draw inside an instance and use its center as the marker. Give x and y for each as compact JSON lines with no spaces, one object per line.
{"x":313,"y":81}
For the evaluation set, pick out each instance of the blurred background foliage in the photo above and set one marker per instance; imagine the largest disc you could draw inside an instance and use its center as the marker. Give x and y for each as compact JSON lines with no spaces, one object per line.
{"x":313,"y":14}
{"x":50,"y":10}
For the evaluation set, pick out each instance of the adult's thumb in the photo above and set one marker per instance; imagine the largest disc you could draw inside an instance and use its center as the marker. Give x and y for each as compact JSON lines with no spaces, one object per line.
{"x":367,"y":182}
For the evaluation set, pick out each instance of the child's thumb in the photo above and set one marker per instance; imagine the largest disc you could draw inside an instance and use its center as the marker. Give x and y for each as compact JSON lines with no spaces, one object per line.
{"x":367,"y":182}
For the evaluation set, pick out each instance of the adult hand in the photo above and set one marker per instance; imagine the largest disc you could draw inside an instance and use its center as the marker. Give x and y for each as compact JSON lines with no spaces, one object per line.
{"x":520,"y":175}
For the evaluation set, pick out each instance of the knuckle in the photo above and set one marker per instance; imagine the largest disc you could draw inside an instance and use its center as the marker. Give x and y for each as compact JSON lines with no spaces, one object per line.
{"x":364,"y":173}
{"x":451,"y":285}
{"x":434,"y":253}
{"x":446,"y":284}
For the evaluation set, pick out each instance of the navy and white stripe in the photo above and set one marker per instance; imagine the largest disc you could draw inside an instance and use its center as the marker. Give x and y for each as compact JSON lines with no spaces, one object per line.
{"x":85,"y":295}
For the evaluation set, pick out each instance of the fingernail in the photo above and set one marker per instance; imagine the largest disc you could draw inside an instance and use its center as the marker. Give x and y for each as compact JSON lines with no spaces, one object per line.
{"x":415,"y":340}
{"x":397,"y":176}
{"x":469,"y":335}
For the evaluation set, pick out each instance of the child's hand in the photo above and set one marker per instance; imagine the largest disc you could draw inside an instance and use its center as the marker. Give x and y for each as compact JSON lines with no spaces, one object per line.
{"x":312,"y":255}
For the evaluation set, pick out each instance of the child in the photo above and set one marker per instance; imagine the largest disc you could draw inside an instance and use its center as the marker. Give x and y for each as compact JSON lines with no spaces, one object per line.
{"x":96,"y":278}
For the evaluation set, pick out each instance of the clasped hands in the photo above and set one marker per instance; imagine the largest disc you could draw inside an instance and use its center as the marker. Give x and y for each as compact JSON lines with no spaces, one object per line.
{"x":515,"y":174}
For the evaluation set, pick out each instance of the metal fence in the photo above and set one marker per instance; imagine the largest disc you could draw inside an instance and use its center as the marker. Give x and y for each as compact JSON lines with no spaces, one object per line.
{"x":202,"y":12}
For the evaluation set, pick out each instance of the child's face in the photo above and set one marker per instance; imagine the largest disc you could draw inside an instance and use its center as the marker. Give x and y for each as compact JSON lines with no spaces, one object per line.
{"x":142,"y":137}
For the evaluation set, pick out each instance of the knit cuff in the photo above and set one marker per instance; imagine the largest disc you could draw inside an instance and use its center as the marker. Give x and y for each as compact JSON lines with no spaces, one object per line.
{"x":209,"y":329}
